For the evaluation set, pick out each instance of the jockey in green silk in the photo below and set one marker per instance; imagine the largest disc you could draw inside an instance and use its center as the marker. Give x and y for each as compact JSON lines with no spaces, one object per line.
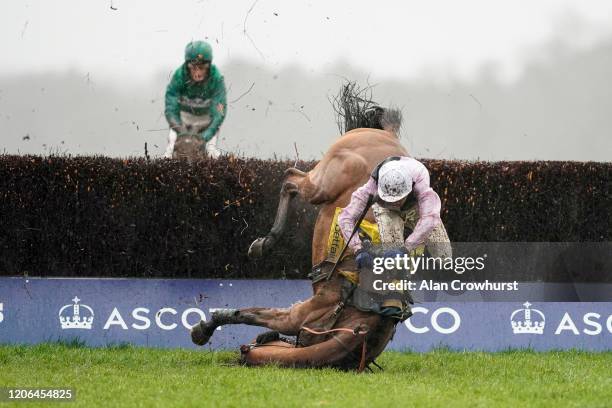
{"x":195,"y":102}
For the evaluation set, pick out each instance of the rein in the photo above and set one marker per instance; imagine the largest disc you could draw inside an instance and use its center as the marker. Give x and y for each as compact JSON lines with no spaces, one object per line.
{"x":357,"y":330}
{"x":369,"y":203}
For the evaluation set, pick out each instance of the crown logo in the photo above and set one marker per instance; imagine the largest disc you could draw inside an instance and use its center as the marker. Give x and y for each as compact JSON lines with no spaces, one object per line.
{"x":81,"y":318}
{"x":533,"y":320}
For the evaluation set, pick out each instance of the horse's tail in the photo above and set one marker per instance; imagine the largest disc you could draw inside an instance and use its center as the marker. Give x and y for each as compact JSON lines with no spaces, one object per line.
{"x":391,"y":121}
{"x":377,"y":117}
{"x":355,"y":109}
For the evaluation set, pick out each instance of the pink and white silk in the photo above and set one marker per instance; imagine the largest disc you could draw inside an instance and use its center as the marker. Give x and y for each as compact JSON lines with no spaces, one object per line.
{"x":428,"y":203}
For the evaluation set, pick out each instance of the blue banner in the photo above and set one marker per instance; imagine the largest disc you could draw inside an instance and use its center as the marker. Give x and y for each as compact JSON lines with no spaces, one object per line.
{"x":159,"y":312}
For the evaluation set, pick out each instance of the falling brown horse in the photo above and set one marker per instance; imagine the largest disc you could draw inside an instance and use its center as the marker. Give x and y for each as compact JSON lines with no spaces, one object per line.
{"x":329,"y":332}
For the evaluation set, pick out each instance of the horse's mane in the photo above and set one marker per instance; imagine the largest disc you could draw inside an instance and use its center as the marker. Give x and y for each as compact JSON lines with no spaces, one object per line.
{"x":355,"y":108}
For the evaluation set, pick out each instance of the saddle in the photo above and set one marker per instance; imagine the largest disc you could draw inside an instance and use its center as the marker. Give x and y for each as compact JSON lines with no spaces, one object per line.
{"x":357,"y":292}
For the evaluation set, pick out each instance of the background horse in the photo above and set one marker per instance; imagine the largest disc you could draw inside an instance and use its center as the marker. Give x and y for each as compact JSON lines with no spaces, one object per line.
{"x":328,"y":335}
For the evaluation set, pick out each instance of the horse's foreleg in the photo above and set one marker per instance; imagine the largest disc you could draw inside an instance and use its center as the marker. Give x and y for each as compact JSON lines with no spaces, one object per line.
{"x":274,"y":318}
{"x":287,"y":321}
{"x":289,"y":190}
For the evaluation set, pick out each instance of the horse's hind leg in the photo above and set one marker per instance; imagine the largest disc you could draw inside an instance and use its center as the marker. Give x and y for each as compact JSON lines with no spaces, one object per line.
{"x":290,"y":188}
{"x":322,"y":354}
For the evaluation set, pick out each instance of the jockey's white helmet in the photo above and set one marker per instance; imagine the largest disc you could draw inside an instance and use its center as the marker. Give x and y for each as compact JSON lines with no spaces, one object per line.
{"x":394,"y":181}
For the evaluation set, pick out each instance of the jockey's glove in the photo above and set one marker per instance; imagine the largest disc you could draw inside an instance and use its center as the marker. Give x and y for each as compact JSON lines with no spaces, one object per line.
{"x":175,"y":126}
{"x":364,"y":259}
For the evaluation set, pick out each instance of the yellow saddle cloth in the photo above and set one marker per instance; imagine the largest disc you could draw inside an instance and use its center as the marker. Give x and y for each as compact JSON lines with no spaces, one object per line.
{"x":335,"y":243}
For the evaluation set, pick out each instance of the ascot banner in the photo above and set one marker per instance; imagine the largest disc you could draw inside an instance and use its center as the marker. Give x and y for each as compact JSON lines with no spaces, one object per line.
{"x":159,"y":312}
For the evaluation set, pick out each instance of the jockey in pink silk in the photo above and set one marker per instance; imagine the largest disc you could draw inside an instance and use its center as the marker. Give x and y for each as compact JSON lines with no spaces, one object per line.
{"x":404,"y":197}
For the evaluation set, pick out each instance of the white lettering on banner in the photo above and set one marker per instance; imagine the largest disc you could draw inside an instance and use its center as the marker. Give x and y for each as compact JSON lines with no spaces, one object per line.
{"x":440,"y":329}
{"x":434,"y":321}
{"x":592,"y":323}
{"x":567,"y":324}
{"x":142,"y":321}
{"x":591,"y":320}
{"x":189,"y":311}
{"x":158,"y":318}
{"x":1,"y":314}
{"x":146,"y":321}
{"x":408,"y":322}
{"x":115,"y":319}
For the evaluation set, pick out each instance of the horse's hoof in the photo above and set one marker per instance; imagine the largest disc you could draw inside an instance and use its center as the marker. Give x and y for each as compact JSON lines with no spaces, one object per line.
{"x":201,"y":333}
{"x":258,"y":248}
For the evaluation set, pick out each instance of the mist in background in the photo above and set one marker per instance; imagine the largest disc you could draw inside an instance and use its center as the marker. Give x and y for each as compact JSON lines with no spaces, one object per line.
{"x":554,"y":105}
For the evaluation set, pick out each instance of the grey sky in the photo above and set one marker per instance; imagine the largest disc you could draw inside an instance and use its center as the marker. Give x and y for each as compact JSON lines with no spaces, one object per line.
{"x":393,"y":38}
{"x":447,"y":57}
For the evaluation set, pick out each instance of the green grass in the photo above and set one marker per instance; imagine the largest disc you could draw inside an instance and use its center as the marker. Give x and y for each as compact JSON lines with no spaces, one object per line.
{"x":132,"y":376}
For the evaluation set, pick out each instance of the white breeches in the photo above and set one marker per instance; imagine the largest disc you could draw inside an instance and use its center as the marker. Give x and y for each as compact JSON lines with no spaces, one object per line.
{"x":391,"y":228}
